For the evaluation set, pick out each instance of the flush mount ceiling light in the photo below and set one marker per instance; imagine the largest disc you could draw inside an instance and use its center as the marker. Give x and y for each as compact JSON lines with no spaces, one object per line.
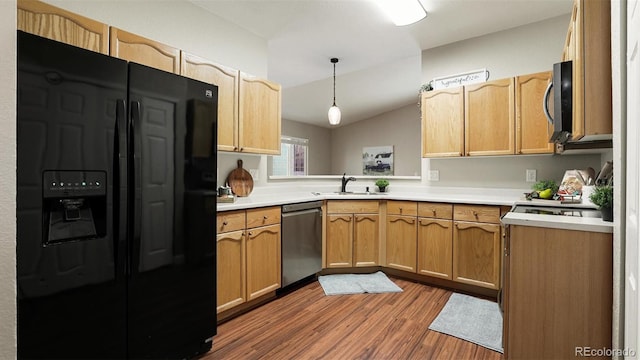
{"x":334,"y":110}
{"x":403,"y":12}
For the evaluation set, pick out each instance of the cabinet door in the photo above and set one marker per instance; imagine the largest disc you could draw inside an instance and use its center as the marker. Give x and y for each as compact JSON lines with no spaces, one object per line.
{"x":401,"y":242}
{"x":532,"y":128}
{"x":489,"y":118}
{"x":48,"y":21}
{"x":559,"y":292}
{"x":365,"y":240}
{"x":435,"y":246}
{"x":231,"y":270}
{"x":135,"y":48}
{"x":259,"y":117}
{"x":339,"y":240}
{"x":227,"y":81}
{"x":263,"y":261}
{"x":443,"y":123}
{"x":476,"y":254}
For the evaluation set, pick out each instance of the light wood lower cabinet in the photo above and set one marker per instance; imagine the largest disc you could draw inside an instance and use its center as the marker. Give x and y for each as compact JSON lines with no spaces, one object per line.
{"x":231,"y":270}
{"x":401,"y":239}
{"x":352,"y":238}
{"x":558,"y":292}
{"x":263,"y":261}
{"x":249,"y":255}
{"x":477,"y":236}
{"x":435,"y":240}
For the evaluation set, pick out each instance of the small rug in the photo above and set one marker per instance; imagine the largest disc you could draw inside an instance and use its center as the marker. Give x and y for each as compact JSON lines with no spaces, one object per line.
{"x":468,"y":318}
{"x":343,"y":284}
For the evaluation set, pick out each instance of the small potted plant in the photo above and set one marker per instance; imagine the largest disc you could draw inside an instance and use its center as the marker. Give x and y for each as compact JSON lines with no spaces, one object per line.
{"x":602,"y":197}
{"x":382,"y":184}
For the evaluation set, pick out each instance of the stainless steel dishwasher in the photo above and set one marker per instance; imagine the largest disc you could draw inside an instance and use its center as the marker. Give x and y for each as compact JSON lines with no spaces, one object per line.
{"x":301,"y":241}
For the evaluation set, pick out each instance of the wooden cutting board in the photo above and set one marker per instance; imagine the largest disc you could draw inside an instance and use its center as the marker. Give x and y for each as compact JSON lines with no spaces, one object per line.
{"x":240,"y":181}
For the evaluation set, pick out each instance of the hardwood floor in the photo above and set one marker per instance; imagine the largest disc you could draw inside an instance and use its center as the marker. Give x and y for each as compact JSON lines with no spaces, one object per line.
{"x":306,"y":324}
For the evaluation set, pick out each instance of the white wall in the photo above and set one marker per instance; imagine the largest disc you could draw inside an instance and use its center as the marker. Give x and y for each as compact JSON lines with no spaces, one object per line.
{"x":526,"y":49}
{"x":8,"y":180}
{"x":400,"y":128}
{"x":522,"y":50}
{"x":180,"y":24}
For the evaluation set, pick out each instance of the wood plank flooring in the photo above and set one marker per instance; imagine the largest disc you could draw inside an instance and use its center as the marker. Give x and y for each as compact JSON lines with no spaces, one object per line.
{"x":306,"y":324}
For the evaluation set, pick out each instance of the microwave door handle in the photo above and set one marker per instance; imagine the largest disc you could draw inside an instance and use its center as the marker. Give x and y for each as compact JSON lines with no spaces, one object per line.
{"x":545,"y":103}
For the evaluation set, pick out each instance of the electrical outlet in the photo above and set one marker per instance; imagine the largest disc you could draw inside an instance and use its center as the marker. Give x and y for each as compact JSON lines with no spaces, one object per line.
{"x":531,"y":175}
{"x":434,"y":175}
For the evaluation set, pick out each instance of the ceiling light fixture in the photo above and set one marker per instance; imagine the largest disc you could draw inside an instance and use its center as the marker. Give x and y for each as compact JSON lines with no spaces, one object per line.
{"x":403,"y":12}
{"x":334,"y":110}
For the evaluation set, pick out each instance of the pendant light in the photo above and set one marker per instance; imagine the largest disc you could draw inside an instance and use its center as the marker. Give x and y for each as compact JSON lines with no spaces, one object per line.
{"x":334,"y":110}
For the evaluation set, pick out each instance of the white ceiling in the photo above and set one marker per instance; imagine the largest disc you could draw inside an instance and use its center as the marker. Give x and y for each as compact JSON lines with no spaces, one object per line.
{"x":380,"y":64}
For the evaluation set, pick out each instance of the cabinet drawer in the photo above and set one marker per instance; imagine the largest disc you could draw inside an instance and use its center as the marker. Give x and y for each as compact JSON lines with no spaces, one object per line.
{"x":263,"y":216}
{"x":408,"y":208}
{"x":477,"y":213}
{"x":435,"y":210}
{"x":353,"y":206}
{"x":230,"y":221}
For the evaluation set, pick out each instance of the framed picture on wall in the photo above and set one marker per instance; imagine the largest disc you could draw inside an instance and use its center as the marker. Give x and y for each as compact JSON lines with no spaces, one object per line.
{"x":377,"y":160}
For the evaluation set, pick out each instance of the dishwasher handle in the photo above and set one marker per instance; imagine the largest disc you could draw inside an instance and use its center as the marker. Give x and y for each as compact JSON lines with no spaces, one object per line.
{"x":296,"y":213}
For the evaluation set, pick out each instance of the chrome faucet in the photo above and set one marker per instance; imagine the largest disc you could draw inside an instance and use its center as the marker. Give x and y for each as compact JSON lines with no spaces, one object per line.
{"x":345,"y":181}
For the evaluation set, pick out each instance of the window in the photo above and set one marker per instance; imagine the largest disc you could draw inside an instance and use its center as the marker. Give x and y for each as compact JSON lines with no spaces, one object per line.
{"x":292,"y":160}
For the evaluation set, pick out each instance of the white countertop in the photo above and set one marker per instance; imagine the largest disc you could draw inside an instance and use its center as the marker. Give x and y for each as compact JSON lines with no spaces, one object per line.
{"x":591,"y":224}
{"x":449,"y":195}
{"x":290,"y":194}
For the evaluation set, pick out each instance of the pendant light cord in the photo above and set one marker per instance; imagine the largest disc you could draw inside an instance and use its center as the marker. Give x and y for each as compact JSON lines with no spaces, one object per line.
{"x":334,"y":61}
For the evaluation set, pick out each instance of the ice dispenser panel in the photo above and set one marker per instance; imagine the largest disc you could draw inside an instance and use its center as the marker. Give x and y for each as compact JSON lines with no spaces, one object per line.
{"x":75,"y":205}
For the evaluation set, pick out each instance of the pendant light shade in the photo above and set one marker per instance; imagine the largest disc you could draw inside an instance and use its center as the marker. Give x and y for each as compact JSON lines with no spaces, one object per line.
{"x":334,"y":111}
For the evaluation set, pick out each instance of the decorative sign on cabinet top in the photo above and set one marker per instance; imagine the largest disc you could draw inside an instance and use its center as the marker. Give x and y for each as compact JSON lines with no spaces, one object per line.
{"x":465,"y":78}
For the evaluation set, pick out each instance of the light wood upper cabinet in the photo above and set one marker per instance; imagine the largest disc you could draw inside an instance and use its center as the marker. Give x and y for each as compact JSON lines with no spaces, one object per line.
{"x":259,"y":122}
{"x":227,"y":81}
{"x":532,"y":128}
{"x":48,"y":21}
{"x":588,"y":45}
{"x":138,"y":49}
{"x":443,"y":122}
{"x":489,"y":118}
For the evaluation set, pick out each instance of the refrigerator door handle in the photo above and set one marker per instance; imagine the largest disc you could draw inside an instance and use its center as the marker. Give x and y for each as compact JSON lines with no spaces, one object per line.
{"x":135,"y":179}
{"x":118,"y":216}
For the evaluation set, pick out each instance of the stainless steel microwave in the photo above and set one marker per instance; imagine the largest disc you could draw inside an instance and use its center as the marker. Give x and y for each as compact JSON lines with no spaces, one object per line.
{"x":562,"y":119}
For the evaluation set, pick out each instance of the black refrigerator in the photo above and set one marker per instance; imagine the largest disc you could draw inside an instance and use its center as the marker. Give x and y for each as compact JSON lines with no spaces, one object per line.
{"x":116,"y":207}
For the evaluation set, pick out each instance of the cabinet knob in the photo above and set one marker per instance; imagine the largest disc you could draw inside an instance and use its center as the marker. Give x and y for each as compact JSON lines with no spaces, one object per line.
{"x":265,"y":217}
{"x":400,"y":210}
{"x":434,"y":211}
{"x":235,"y":148}
{"x":475,"y":213}
{"x":225,"y":223}
{"x":241,"y":149}
{"x":250,"y":233}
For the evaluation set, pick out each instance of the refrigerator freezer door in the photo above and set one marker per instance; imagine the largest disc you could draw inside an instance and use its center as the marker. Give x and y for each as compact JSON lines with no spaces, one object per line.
{"x":173,"y":201}
{"x":70,"y":250}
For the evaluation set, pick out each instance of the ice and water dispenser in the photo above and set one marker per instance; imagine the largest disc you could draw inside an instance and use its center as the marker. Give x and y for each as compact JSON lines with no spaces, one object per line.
{"x":74,"y":205}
